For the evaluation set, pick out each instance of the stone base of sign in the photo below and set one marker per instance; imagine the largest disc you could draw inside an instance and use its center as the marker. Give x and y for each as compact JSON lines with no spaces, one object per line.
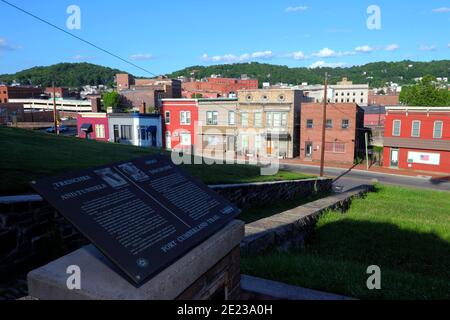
{"x":210,"y":271}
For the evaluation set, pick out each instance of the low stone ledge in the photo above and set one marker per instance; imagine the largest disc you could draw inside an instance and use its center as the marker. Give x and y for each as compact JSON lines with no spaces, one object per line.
{"x":290,"y":229}
{"x":262,"y":289}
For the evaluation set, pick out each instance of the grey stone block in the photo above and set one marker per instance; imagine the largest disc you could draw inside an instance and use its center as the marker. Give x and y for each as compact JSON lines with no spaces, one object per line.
{"x":100,"y":280}
{"x":282,"y":291}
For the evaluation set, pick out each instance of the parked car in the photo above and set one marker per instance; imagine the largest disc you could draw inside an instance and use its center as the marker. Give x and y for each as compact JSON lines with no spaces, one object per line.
{"x":60,"y":128}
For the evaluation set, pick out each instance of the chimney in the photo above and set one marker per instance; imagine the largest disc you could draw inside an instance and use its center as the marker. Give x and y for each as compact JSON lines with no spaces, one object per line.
{"x":142,"y":108}
{"x":96,"y":105}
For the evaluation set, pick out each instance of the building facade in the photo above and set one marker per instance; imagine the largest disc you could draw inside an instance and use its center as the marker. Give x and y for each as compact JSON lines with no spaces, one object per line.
{"x":418,"y":138}
{"x":140,"y":130}
{"x":93,"y":126}
{"x":179,"y":118}
{"x":18,"y":92}
{"x":342,"y":92}
{"x":148,"y":92}
{"x":344,"y":132}
{"x":268,"y":123}
{"x":216,"y":87}
{"x":217,"y":126}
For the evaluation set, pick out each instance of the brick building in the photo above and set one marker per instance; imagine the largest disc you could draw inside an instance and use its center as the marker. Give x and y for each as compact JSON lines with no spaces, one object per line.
{"x":344,"y":132}
{"x":60,"y":92}
{"x":149,"y":92}
{"x":93,"y":126}
{"x":218,"y":87}
{"x":390,"y":99}
{"x":179,"y":117}
{"x":269,"y":122}
{"x":418,"y":138}
{"x":18,"y":92}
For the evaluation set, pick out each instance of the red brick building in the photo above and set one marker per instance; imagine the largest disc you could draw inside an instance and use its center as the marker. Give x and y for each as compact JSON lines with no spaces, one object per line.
{"x":148,"y":92}
{"x":18,"y":92}
{"x":418,"y":138}
{"x":93,"y":126}
{"x":218,"y":87}
{"x":179,"y":117}
{"x":344,"y":134}
{"x":390,"y":99}
{"x":60,"y":92}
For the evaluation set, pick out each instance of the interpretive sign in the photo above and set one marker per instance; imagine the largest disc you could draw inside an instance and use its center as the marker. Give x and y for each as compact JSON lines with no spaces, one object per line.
{"x":142,"y":214}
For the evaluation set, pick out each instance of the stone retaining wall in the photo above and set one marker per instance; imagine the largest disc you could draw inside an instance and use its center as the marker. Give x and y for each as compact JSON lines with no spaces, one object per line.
{"x":32,"y":233}
{"x":251,"y":195}
{"x":290,"y":229}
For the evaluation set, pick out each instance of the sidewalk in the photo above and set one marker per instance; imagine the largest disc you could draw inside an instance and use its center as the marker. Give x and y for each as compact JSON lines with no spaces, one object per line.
{"x":373,"y":169}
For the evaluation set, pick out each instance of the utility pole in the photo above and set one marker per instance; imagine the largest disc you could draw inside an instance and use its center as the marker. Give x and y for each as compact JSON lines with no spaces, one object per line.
{"x":367,"y":150}
{"x":324,"y":124}
{"x":55,"y":112}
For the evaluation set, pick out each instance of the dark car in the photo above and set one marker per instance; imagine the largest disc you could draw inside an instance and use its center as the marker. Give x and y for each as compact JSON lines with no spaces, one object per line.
{"x":60,"y":128}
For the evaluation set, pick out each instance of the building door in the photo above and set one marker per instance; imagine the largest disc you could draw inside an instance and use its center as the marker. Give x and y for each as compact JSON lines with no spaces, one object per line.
{"x":308,"y":150}
{"x":394,"y":158}
{"x":116,"y":134}
{"x":168,"y":141}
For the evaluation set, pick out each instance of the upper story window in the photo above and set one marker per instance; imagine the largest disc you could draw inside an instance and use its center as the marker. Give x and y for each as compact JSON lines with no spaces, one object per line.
{"x":438,"y":128}
{"x":167,"y":117}
{"x":258,"y":120}
{"x":277,"y":119}
{"x":244,"y":119}
{"x":309,"y":124}
{"x":345,"y":124}
{"x":415,"y":131}
{"x":329,"y":124}
{"x":185,"y":117}
{"x":232,"y":118}
{"x":211,"y":118}
{"x":397,"y":128}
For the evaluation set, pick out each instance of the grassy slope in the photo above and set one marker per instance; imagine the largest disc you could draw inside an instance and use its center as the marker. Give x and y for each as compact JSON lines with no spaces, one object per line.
{"x":27,"y":155}
{"x":405,"y":232}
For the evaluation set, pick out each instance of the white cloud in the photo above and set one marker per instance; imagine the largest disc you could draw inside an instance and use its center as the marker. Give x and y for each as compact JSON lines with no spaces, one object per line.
{"x":323,"y":64}
{"x":262,"y":55}
{"x":231,"y":58}
{"x":441,"y":10}
{"x":392,"y":47}
{"x":297,"y":9}
{"x":364,"y":49}
{"x":298,"y":55}
{"x":329,"y":53}
{"x":142,"y":57}
{"x":427,"y":48}
{"x":5,"y":46}
{"x":81,"y":58}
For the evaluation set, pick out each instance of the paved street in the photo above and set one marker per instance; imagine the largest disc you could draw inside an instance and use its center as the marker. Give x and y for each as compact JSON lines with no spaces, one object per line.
{"x":351,"y":179}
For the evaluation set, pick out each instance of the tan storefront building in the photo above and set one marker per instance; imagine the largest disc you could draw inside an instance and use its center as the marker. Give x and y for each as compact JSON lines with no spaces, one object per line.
{"x":268,"y":123}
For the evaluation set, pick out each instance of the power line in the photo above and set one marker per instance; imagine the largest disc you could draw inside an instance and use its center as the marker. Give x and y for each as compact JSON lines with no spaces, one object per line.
{"x":78,"y":38}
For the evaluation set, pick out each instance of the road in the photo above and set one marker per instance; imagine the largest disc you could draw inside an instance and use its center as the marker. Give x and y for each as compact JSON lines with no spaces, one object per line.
{"x":351,"y":179}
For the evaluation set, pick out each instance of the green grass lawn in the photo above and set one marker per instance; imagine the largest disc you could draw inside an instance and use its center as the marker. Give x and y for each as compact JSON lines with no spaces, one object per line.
{"x":405,"y":232}
{"x":29,"y":155}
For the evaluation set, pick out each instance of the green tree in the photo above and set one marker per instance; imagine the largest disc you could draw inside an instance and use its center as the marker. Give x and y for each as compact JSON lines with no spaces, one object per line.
{"x":111,"y":99}
{"x":425,"y":93}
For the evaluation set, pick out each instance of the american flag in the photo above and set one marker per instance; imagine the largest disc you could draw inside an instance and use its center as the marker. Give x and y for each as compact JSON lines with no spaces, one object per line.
{"x":424,"y":157}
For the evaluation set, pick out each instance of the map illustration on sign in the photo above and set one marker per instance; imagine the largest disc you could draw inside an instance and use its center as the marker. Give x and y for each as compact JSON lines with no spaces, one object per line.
{"x":142,"y":214}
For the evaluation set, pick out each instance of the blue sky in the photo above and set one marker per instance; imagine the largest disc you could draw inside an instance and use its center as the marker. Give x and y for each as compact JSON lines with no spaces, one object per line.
{"x":164,"y":36}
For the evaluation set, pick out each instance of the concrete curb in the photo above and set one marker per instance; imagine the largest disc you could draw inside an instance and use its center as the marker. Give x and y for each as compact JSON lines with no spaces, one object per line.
{"x":267,"y":289}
